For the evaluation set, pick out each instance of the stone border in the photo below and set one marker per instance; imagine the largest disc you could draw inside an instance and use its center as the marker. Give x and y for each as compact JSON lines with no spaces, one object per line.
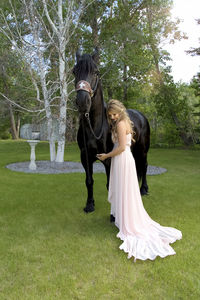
{"x":47,"y":167}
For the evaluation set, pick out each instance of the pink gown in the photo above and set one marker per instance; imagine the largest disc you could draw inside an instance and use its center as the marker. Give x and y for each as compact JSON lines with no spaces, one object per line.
{"x":142,"y":237}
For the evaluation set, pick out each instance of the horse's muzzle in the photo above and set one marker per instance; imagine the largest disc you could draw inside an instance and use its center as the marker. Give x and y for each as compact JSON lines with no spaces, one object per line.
{"x":83,"y":102}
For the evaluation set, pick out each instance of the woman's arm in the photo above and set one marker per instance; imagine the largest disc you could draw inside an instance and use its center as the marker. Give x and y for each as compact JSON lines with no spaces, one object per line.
{"x":121,"y":136}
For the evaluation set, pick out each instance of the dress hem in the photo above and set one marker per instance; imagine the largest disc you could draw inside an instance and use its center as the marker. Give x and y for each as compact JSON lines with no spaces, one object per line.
{"x":143,"y":249}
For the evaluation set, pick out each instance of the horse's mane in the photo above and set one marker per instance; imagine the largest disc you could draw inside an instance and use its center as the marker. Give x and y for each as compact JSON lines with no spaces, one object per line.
{"x":85,"y":65}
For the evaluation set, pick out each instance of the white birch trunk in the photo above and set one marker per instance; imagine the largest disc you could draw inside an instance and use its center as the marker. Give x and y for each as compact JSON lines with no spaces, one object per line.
{"x":63,"y":86}
{"x":52,"y":146}
{"x":48,"y":115}
{"x":47,"y":108}
{"x":42,"y":74}
{"x":62,"y":112}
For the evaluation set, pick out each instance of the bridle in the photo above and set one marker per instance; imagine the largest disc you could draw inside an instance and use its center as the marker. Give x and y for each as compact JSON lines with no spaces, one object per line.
{"x":84,"y":85}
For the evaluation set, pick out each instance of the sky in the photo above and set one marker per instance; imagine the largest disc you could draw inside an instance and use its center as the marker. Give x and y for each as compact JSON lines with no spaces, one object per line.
{"x":185,"y":66}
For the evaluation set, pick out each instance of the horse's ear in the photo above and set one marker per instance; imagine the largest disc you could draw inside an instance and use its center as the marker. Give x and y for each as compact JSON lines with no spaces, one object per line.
{"x":78,"y":55}
{"x":95,"y":55}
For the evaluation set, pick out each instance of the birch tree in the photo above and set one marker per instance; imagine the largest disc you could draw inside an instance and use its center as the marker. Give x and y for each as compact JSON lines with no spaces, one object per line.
{"x":50,"y":27}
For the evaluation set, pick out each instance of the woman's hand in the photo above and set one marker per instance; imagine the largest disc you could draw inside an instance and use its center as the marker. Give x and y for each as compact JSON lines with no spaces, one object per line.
{"x":121,"y":136}
{"x":102,"y":156}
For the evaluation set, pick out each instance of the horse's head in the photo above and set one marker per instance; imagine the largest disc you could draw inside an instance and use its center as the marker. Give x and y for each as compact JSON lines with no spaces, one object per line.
{"x":86,"y":80}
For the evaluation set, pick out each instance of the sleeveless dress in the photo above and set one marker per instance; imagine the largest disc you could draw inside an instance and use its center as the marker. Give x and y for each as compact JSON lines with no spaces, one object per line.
{"x":142,"y":237}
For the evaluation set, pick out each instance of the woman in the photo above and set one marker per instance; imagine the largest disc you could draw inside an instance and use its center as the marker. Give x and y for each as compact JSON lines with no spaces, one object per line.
{"x":142,"y":237}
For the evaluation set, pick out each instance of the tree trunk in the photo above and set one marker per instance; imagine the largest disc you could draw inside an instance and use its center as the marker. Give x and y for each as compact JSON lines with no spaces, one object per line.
{"x":18,"y":125}
{"x":63,"y":87}
{"x":12,"y":124}
{"x":52,"y":147}
{"x":45,"y":93}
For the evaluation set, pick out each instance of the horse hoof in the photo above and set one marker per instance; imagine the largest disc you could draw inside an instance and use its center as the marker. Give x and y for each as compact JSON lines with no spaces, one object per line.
{"x":89,"y":208}
{"x":112,"y":219}
{"x":144,"y":192}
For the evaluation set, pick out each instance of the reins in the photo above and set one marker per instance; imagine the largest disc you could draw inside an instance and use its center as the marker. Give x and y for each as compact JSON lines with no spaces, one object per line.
{"x":85,"y":146}
{"x":87,"y":116}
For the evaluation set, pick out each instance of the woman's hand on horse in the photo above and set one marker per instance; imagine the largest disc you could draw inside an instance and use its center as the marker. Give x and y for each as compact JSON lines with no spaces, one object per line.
{"x":102,"y":156}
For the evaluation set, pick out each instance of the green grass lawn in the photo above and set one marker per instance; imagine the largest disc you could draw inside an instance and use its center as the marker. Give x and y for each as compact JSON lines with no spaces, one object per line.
{"x":50,"y":249}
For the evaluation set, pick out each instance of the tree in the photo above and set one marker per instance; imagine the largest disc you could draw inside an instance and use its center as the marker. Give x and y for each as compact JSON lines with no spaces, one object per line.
{"x":173,"y":102}
{"x":48,"y":28}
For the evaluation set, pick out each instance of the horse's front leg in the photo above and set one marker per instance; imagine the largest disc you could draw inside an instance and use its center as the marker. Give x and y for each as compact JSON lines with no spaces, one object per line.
{"x":88,"y":166}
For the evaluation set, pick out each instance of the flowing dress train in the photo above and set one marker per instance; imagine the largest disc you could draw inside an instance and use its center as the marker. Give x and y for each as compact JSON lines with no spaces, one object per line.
{"x":142,"y":237}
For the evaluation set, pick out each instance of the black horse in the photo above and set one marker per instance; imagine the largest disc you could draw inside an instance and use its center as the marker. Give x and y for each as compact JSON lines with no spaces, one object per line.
{"x":94,"y":134}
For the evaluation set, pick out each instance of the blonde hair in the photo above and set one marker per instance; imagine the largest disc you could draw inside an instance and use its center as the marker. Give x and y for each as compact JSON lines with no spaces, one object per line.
{"x":117,"y":107}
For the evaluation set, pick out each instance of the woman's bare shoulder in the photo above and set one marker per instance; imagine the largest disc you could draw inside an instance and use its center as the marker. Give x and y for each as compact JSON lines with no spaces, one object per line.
{"x":123,"y":125}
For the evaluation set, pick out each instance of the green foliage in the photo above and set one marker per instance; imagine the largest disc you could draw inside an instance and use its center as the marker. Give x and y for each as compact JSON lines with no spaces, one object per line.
{"x":166,"y":95}
{"x":4,"y":127}
{"x":175,"y":104}
{"x":15,"y":85}
{"x":195,"y":85}
{"x":171,"y":135}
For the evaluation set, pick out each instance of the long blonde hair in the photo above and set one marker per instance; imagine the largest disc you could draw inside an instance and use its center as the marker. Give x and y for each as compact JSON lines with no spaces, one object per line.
{"x":117,"y":107}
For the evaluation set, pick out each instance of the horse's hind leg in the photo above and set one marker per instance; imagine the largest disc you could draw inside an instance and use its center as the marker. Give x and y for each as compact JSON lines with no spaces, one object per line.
{"x":144,"y":186}
{"x":107,"y":167}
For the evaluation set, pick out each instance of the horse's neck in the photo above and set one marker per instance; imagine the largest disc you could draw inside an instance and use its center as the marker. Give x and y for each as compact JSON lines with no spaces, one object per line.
{"x":97,"y":109}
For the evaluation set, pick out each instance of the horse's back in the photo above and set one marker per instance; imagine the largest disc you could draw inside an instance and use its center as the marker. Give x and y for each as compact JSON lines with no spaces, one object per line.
{"x":141,"y":128}
{"x":138,"y":118}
